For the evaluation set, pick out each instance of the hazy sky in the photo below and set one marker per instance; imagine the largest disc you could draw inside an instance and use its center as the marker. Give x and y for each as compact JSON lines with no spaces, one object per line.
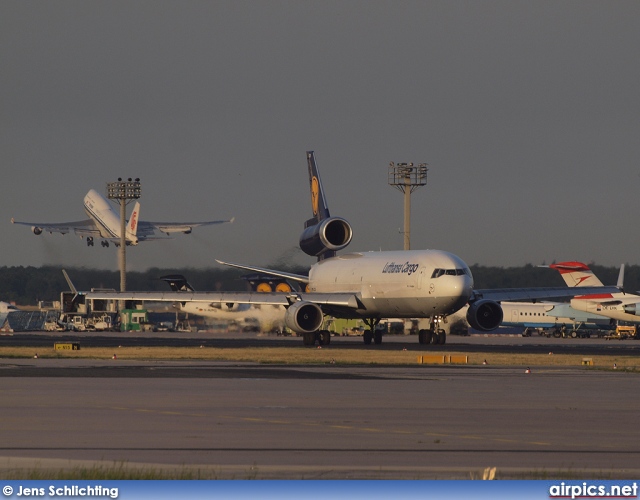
{"x":528,"y":113}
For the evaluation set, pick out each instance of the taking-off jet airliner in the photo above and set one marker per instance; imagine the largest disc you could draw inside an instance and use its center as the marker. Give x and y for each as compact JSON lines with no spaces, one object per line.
{"x":104,"y":223}
{"x":371,"y":286}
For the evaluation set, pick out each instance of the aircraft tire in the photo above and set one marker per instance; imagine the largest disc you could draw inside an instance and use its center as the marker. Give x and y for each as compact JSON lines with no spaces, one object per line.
{"x":324,"y":337}
{"x":309,"y":338}
{"x":427,"y":337}
{"x":442,"y":337}
{"x":367,"y":336}
{"x":377,"y":338}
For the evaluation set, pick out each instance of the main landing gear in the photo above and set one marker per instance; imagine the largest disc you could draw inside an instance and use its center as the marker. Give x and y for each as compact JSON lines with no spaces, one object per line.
{"x":323,"y":337}
{"x":91,"y":243}
{"x":372,"y":333}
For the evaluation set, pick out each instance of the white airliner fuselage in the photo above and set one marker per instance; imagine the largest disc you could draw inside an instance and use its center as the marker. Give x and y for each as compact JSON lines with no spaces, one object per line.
{"x":619,"y":306}
{"x":401,"y":284}
{"x":268,"y":316}
{"x":106,"y":219}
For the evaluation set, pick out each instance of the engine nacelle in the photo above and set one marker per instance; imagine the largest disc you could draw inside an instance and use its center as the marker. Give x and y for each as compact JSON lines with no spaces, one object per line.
{"x":36,"y":230}
{"x":632,"y":308}
{"x":485,"y":315}
{"x":330,"y":234}
{"x":227,"y":306}
{"x":303,"y":317}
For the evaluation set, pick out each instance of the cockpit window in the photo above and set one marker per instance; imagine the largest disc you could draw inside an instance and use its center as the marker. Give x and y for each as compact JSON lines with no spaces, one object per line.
{"x":450,"y":272}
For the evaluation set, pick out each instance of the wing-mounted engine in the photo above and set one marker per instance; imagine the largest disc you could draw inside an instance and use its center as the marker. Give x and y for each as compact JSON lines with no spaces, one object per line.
{"x":303,"y":317}
{"x":484,"y":315}
{"x":36,"y":230}
{"x":329,"y":235}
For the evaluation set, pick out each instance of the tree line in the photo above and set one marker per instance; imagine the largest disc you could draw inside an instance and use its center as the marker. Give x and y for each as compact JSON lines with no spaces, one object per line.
{"x":28,"y":285}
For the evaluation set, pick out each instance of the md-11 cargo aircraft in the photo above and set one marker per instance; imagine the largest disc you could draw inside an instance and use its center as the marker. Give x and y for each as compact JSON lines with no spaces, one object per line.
{"x":104,"y":223}
{"x":367,"y":285}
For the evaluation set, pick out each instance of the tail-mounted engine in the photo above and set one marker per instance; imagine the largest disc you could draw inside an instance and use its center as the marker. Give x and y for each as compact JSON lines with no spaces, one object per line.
{"x":303,"y":317}
{"x":632,"y":308}
{"x":328,"y":235}
{"x":485,"y":315}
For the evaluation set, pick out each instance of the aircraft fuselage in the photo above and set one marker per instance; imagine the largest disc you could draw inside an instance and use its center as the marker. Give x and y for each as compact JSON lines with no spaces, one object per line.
{"x":405,"y":284}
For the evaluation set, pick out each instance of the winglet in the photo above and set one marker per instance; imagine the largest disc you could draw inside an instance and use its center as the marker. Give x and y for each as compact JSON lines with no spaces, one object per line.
{"x":69,"y":282}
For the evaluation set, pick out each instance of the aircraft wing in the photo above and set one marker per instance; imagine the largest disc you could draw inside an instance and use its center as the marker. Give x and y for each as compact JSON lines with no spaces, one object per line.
{"x":539,"y":293}
{"x":342,"y":300}
{"x":280,"y":274}
{"x":146,"y":228}
{"x":81,"y":227}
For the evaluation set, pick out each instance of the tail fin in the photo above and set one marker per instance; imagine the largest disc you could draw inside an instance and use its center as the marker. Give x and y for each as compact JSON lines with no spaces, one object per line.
{"x":318,"y":201}
{"x":323,"y":235}
{"x":132,"y":227}
{"x":576,"y":274}
{"x":178,"y":283}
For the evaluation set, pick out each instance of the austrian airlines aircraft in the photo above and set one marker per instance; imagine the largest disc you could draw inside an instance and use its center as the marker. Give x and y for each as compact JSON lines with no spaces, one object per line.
{"x":104,"y":223}
{"x":618,"y":305}
{"x":370,"y":285}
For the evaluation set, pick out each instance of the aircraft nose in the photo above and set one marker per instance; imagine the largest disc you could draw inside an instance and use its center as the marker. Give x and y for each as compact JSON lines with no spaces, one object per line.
{"x":459,"y":289}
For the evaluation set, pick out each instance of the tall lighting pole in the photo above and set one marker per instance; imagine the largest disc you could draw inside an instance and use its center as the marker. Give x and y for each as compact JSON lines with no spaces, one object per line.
{"x":407,"y":177}
{"x":122,"y":192}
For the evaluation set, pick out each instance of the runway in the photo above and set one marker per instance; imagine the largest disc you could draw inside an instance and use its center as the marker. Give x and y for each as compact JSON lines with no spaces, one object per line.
{"x":244,"y":420}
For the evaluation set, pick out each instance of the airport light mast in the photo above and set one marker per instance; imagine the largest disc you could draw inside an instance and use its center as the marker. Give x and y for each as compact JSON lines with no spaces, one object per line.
{"x":123,"y":192}
{"x":407,"y":177}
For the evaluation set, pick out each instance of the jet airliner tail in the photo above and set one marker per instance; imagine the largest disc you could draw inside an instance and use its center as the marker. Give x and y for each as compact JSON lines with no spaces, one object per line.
{"x":576,"y":274}
{"x":177,"y":282}
{"x":318,"y":201}
{"x":133,"y":220}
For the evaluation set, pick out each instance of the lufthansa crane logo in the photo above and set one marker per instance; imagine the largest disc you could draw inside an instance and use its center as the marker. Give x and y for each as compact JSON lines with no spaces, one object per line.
{"x":315,"y":195}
